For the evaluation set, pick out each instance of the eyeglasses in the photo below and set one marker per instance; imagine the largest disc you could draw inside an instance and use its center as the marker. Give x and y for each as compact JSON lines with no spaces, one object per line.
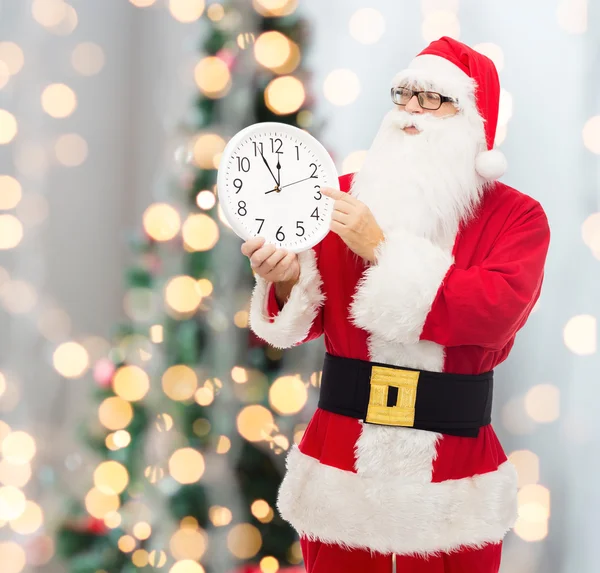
{"x":427,"y":100}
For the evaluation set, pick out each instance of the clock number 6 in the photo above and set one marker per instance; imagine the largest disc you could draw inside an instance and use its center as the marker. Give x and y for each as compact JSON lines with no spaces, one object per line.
{"x":279,"y":235}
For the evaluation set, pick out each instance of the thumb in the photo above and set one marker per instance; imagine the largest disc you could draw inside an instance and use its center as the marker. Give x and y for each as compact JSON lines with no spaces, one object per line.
{"x":331,"y":192}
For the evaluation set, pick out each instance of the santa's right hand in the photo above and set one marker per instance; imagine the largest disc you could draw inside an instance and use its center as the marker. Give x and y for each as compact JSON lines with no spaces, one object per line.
{"x":271,"y":263}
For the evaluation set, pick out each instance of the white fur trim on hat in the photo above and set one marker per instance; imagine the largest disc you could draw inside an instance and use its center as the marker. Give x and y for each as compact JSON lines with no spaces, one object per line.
{"x":491,"y":164}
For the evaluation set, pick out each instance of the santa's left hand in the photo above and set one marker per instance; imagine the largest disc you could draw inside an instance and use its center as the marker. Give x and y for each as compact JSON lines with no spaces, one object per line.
{"x":354,"y":223}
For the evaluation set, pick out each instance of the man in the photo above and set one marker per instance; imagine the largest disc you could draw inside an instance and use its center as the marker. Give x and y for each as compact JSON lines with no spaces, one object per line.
{"x":431,"y":268}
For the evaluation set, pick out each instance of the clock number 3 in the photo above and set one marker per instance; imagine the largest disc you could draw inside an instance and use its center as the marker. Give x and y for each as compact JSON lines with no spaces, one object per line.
{"x":318,"y":195}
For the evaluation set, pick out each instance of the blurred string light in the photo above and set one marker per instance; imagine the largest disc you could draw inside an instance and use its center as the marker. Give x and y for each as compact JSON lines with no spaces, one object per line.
{"x":514,"y":417}
{"x":590,"y":231}
{"x":212,"y":77}
{"x":187,"y":566}
{"x":71,"y":149}
{"x":11,"y":231}
{"x":186,"y":465}
{"x":142,"y":3}
{"x":207,"y":150}
{"x":534,"y":512}
{"x":591,"y":134}
{"x":182,"y":294}
{"x":244,"y":541}
{"x":179,"y":382}
{"x":219,"y":516}
{"x":367,"y":25}
{"x":206,"y":200}
{"x":200,"y":232}
{"x":493,"y":52}
{"x":215,"y":12}
{"x":542,"y":403}
{"x":115,"y":413}
{"x":188,"y":542}
{"x":440,"y":23}
{"x":57,"y":16}
{"x":71,"y":360}
{"x":186,"y":10}
{"x":354,"y":161}
{"x":87,"y":58}
{"x":255,"y":423}
{"x":341,"y":87}
{"x":161,"y":221}
{"x":275,"y":8}
{"x":276,"y":52}
{"x":284,"y":95}
{"x":579,"y":335}
{"x":428,"y":6}
{"x":131,"y":383}
{"x":8,"y":127}
{"x":288,"y":395}
{"x":12,"y":557}
{"x":4,"y":74}
{"x":111,"y":477}
{"x":572,"y":16}
{"x":269,"y":564}
{"x":59,"y":100}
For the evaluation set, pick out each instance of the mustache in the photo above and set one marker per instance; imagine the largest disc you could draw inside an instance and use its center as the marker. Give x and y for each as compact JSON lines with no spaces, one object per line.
{"x":401,"y":119}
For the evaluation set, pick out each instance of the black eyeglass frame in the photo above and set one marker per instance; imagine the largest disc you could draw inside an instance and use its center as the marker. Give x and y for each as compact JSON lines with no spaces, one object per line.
{"x":443,"y":98}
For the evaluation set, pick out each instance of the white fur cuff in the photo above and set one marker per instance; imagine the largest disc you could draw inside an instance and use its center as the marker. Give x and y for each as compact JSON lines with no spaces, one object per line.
{"x":395,"y":295}
{"x":293,"y":322}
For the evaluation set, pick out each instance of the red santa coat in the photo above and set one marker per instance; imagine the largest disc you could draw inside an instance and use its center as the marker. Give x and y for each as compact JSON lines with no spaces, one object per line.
{"x":395,"y":489}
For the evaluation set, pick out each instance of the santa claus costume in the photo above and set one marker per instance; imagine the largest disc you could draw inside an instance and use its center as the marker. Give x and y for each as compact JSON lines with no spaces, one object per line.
{"x":455,"y":278}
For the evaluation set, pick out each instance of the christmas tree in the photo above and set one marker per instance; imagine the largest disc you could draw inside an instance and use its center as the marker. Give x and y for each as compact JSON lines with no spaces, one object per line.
{"x":195,"y":413}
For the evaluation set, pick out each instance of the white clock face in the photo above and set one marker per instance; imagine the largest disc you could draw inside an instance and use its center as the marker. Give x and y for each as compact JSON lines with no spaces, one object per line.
{"x":269,"y":182}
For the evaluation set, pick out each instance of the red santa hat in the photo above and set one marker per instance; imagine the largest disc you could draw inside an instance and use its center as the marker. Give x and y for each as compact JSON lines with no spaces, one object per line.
{"x":456,"y":70}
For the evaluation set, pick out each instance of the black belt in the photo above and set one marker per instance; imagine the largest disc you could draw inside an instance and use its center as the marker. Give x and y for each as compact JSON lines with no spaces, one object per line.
{"x":457,"y":404}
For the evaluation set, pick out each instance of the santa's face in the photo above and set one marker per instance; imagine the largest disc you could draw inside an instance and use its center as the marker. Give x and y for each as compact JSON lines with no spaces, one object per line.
{"x":419,"y":173}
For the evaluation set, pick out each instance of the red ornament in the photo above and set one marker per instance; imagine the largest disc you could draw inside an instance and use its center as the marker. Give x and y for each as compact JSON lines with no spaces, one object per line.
{"x":95,"y":526}
{"x":228,"y":57}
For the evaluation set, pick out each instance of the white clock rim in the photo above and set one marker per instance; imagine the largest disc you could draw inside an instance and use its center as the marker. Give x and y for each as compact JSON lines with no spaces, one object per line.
{"x":309,"y":140}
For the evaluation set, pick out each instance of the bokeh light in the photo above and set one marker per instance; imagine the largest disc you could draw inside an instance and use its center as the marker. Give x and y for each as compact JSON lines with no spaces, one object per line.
{"x":157,"y":558}
{"x":367,"y":25}
{"x":179,"y":382}
{"x":164,"y":422}
{"x":591,"y":134}
{"x":186,"y":10}
{"x":206,"y":200}
{"x":140,"y":558}
{"x":215,"y":12}
{"x":142,"y":3}
{"x":59,"y":100}
{"x":284,"y":95}
{"x":493,"y":52}
{"x":71,"y":149}
{"x":12,"y":55}
{"x":99,"y":504}
{"x":200,"y":232}
{"x":182,"y":294}
{"x":255,"y":423}
{"x":428,"y":6}
{"x":219,"y":516}
{"x":87,"y":58}
{"x":188,"y":543}
{"x":156,"y":333}
{"x":70,"y":360}
{"x":239,"y":375}
{"x":527,"y":465}
{"x":275,"y":8}
{"x":111,"y":477}
{"x":187,"y":566}
{"x":288,"y":395}
{"x":572,"y":16}
{"x":542,"y":403}
{"x":590,"y":231}
{"x":269,"y":564}
{"x":272,"y":49}
{"x":579,"y":334}
{"x":161,"y":221}
{"x":223,"y":445}
{"x":17,"y":475}
{"x":19,"y":297}
{"x":12,"y":557}
{"x":186,"y":465}
{"x":131,"y":383}
{"x":244,"y":541}
{"x":438,"y":23}
{"x":207,"y":150}
{"x":8,"y":128}
{"x":10,"y":192}
{"x":115,"y":413}
{"x":49,"y":13}
{"x":514,"y":417}
{"x":341,"y":87}
{"x":12,"y":502}
{"x":11,"y":231}
{"x":30,"y":520}
{"x":240,"y":319}
{"x":142,"y":530}
{"x":126,"y":543}
{"x":354,"y":161}
{"x":18,"y":448}
{"x":212,"y":77}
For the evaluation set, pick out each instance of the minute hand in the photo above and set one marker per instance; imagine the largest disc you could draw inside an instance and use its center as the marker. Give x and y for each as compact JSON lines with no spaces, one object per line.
{"x":294,"y":183}
{"x":274,"y":178}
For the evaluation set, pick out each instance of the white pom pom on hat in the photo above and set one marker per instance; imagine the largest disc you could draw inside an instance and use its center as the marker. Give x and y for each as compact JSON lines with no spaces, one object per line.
{"x":472,"y":79}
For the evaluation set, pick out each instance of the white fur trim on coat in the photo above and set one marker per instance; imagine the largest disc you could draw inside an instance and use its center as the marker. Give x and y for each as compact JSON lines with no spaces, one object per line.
{"x":391,"y":515}
{"x":294,"y":320}
{"x":394,"y":296}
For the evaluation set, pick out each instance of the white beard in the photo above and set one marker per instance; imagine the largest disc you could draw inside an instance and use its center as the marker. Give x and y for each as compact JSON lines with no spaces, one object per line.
{"x":424,"y":183}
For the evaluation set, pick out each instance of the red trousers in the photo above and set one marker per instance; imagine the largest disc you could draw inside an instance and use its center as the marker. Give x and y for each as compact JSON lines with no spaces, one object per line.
{"x":323,"y":558}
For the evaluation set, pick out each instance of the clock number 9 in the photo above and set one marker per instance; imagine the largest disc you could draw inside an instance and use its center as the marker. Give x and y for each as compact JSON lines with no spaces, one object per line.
{"x":279,"y":235}
{"x":242,"y":207}
{"x":318,"y":196}
{"x":237,"y":183}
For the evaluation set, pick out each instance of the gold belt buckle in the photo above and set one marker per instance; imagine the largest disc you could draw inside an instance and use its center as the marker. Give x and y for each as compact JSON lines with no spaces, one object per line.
{"x":403,"y":412}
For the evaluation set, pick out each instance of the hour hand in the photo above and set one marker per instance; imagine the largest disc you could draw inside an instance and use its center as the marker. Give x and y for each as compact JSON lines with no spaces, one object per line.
{"x":271,"y":172}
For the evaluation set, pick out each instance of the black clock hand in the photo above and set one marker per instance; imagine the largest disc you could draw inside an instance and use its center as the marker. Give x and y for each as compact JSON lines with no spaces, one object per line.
{"x":263,"y":157}
{"x":278,"y":171}
{"x":294,"y":183}
{"x":271,"y":191}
